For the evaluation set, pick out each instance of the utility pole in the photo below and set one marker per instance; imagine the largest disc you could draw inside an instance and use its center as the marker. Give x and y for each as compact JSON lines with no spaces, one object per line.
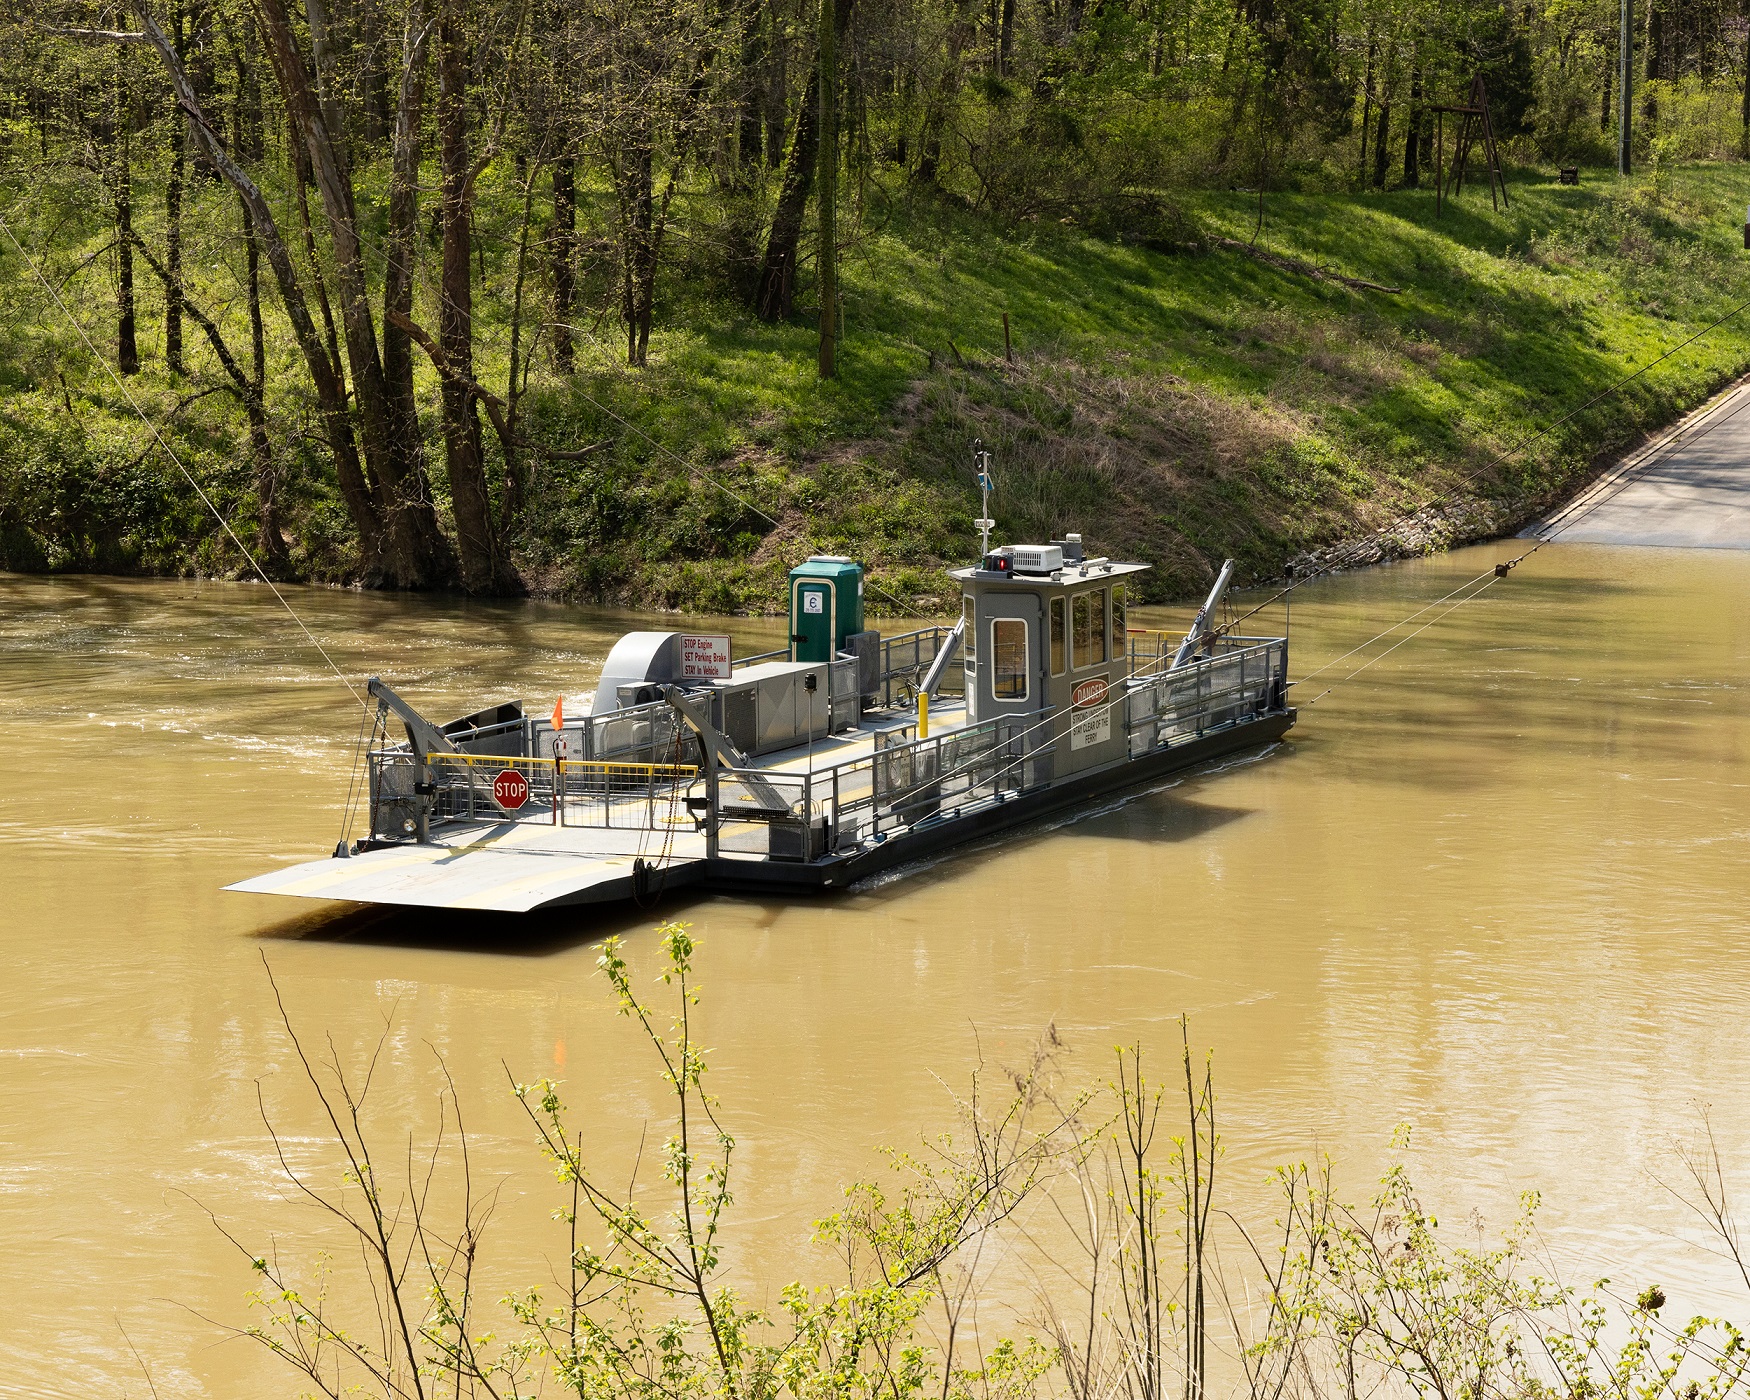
{"x":1625,"y":86}
{"x":827,"y":189}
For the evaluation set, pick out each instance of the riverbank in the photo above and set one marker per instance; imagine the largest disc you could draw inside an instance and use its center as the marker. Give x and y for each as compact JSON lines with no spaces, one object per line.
{"x":1174,"y":390}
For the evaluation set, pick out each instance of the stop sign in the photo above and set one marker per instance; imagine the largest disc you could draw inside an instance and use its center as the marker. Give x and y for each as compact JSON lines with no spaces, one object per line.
{"x":510,"y":789}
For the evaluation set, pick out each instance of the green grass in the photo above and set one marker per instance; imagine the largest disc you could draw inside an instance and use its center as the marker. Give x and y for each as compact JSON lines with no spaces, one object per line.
{"x":1174,"y":401}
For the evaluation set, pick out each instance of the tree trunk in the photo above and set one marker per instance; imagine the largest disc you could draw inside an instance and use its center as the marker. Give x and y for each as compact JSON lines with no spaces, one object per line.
{"x":751,"y":117}
{"x":827,"y":161}
{"x":374,"y":76}
{"x":476,"y":535}
{"x":635,"y":187}
{"x":1381,"y":146}
{"x":127,"y":347}
{"x":417,"y":554}
{"x":936,"y":113}
{"x":324,"y":374}
{"x":515,"y":491}
{"x":248,"y":388}
{"x":777,"y":284}
{"x":1744,"y":134}
{"x":1604,"y":106}
{"x":1366,"y":118}
{"x":247,"y":106}
{"x":1413,"y":132}
{"x":270,"y":540}
{"x":564,"y":248}
{"x":776,"y":85}
{"x":400,"y":235}
{"x":323,"y":50}
{"x":173,"y":217}
{"x":1655,"y":35}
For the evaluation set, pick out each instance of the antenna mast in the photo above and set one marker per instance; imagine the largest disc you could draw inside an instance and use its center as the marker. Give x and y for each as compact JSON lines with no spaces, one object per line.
{"x":986,"y":484}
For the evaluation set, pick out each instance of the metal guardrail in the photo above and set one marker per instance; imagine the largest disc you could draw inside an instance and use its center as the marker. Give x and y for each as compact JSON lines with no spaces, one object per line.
{"x":904,"y":659}
{"x":651,"y":733}
{"x":1245,"y":679}
{"x":1148,"y":650}
{"x":563,"y":792}
{"x":788,"y":816}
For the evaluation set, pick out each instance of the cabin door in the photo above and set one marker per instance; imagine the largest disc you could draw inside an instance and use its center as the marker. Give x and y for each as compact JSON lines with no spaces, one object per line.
{"x":1011,"y":654}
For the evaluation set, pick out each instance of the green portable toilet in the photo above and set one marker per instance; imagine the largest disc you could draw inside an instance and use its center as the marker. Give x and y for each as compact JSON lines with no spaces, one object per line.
{"x":826,"y":606}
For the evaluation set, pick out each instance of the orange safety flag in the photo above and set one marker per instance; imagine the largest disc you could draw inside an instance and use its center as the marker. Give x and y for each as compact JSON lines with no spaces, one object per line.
{"x":559,"y":714}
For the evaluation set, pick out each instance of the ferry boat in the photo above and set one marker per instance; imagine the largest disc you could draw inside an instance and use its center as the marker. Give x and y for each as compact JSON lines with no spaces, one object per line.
{"x":809,"y":768}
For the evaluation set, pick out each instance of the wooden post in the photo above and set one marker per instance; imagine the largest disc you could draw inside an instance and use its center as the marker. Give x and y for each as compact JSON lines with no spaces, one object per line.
{"x":1455,"y":181}
{"x":1497,"y":176}
{"x":1439,"y":163}
{"x":1008,"y":349}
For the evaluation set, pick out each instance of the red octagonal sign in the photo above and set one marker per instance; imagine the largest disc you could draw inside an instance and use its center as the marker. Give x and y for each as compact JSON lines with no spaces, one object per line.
{"x":510,"y":789}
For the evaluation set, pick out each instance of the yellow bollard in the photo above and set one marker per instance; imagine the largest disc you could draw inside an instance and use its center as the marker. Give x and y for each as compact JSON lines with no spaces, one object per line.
{"x":923,"y":714}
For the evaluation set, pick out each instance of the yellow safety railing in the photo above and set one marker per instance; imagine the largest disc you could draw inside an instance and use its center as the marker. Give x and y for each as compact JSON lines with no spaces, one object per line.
{"x":658,"y":772}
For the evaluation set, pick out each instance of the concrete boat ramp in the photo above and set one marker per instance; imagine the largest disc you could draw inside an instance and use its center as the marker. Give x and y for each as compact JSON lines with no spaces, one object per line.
{"x":512,"y":867}
{"x":1688,"y":489}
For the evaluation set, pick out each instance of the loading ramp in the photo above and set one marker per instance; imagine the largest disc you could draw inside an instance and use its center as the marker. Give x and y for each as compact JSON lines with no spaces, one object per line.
{"x":509,"y":867}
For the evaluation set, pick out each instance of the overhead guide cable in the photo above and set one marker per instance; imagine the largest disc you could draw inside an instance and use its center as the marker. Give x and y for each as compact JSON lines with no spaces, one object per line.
{"x":170,"y":452}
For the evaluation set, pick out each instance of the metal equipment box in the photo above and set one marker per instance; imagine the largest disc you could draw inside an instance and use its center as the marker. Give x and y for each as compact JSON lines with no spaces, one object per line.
{"x":1036,"y":558}
{"x":771,"y":706}
{"x":826,"y":606}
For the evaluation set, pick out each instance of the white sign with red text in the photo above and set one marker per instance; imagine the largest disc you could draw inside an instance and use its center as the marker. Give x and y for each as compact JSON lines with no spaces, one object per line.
{"x":706,"y":659}
{"x":1090,"y":714}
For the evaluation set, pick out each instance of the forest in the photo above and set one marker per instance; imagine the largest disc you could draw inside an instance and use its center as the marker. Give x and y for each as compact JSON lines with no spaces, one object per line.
{"x":641,"y":300}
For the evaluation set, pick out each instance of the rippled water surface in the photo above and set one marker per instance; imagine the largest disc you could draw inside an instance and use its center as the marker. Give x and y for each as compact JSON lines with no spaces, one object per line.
{"x":1494,"y":886}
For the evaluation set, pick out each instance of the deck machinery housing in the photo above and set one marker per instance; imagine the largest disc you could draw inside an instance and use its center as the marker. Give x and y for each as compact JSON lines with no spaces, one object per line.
{"x":808,"y":768}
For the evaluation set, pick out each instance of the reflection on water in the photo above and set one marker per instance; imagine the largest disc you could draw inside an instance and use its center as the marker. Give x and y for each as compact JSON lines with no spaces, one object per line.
{"x":1493,"y":886}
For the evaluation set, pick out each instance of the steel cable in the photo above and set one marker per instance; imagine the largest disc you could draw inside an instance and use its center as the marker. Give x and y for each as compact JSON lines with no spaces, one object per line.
{"x":169,"y":452}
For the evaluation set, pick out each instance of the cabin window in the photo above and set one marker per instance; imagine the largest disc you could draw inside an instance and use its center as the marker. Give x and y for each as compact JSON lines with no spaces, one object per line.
{"x":1058,"y":608}
{"x":1090,"y":628}
{"x":1120,"y":621}
{"x":1008,"y":651}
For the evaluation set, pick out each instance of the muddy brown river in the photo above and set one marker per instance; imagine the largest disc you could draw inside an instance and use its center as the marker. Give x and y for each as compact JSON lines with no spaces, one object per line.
{"x":1494,"y":886}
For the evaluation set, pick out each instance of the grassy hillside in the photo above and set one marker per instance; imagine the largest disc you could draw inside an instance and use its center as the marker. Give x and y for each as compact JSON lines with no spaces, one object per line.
{"x":1171,"y":395}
